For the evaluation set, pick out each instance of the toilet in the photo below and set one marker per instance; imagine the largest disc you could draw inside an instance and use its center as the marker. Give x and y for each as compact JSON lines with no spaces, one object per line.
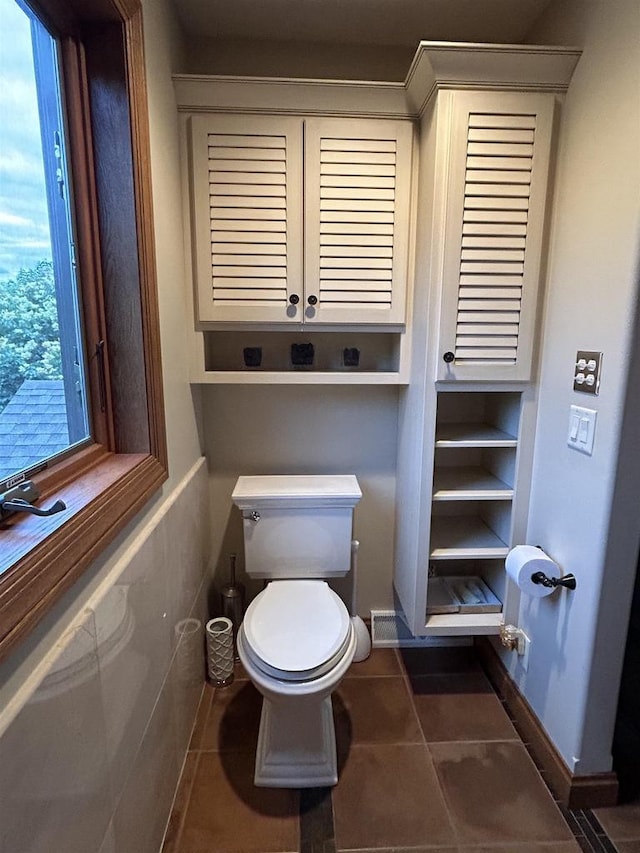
{"x":296,"y":641}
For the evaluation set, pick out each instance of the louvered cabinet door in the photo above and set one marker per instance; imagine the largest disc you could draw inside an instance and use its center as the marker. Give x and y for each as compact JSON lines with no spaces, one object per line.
{"x":499,"y":165}
{"x":357,"y":188}
{"x":246,"y":191}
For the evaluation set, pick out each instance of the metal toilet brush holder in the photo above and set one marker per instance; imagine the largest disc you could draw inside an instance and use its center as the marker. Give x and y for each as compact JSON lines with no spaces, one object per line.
{"x":232,"y":596}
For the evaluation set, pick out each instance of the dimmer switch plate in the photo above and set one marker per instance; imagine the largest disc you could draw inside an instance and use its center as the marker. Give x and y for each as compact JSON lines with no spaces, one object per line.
{"x":582,"y":429}
{"x":586,"y":375}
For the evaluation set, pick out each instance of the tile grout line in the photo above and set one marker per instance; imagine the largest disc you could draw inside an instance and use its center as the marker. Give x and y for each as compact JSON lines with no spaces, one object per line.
{"x":574,"y":824}
{"x":409,"y":687}
{"x":316,"y":836}
{"x":196,"y":761}
{"x":187,"y":803}
{"x":175,"y":844}
{"x":202,"y":717}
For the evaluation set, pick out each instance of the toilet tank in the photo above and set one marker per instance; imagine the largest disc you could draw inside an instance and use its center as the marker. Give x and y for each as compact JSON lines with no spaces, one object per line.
{"x":297,"y":526}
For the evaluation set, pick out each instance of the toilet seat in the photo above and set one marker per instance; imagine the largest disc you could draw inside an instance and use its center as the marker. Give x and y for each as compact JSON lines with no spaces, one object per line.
{"x":296,"y":630}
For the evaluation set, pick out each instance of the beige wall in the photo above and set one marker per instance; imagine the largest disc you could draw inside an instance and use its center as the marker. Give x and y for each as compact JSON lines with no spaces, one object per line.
{"x":97,"y":703}
{"x":307,"y":59}
{"x":584,"y":510}
{"x":307,"y":429}
{"x":163,"y":50}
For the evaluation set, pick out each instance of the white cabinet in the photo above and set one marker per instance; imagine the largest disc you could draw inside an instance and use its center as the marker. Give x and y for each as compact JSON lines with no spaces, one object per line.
{"x":300,"y":220}
{"x":247,"y":215}
{"x":463,"y":455}
{"x":357,"y":185}
{"x":493,"y":236}
{"x":475,"y":449}
{"x":467,"y":519}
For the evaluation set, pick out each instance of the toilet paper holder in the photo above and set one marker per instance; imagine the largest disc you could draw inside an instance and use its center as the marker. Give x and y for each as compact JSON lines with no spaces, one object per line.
{"x":567,"y":581}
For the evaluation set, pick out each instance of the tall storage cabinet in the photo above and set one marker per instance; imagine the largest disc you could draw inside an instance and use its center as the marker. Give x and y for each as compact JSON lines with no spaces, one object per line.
{"x":467,"y":416}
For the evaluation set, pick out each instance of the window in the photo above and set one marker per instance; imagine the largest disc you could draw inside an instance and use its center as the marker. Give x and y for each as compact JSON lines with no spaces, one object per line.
{"x":104,"y":284}
{"x":43,"y":409}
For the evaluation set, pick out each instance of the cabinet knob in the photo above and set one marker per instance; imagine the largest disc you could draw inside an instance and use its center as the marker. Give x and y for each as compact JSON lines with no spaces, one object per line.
{"x":312,"y":300}
{"x":294,"y":299}
{"x":448,"y":357}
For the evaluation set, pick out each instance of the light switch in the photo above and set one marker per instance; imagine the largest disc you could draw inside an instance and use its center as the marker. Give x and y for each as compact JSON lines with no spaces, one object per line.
{"x":573,"y":430}
{"x":583,"y":432}
{"x":582,"y":428}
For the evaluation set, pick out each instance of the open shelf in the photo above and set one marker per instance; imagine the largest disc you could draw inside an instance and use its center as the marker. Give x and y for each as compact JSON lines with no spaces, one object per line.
{"x":451,"y":593}
{"x":295,"y":377}
{"x":265,"y":357}
{"x":458,"y":624}
{"x":464,"y":537}
{"x":475,"y":454}
{"x":468,"y":483}
{"x":473,"y":435}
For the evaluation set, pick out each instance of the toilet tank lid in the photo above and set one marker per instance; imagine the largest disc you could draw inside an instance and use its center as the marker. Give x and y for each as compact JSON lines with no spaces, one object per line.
{"x":297,"y":490}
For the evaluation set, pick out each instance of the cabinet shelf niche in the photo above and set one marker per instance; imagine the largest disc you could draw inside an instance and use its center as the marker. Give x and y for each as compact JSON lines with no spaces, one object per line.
{"x":462,"y":624}
{"x":446,"y":615}
{"x":464,"y":537}
{"x":454,"y":483}
{"x":461,"y":594}
{"x":473,"y":435}
{"x":378,"y":358}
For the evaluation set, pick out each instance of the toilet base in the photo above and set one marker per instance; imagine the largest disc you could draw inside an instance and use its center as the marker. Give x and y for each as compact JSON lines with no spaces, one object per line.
{"x":296,"y":745}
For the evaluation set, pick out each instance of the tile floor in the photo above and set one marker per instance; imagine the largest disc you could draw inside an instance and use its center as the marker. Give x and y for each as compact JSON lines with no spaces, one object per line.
{"x":429,"y":763}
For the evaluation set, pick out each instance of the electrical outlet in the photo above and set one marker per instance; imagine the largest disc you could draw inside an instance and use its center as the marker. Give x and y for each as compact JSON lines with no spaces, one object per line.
{"x":586,"y":375}
{"x":524,"y":645}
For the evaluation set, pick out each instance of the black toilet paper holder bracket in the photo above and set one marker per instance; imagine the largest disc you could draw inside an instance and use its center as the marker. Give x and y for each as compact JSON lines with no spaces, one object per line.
{"x":567,"y":581}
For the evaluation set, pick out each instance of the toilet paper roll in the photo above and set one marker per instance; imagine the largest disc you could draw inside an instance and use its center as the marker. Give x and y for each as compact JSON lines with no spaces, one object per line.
{"x":523,"y":561}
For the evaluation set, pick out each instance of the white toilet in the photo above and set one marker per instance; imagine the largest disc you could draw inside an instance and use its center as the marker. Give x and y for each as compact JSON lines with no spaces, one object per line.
{"x":296,"y":641}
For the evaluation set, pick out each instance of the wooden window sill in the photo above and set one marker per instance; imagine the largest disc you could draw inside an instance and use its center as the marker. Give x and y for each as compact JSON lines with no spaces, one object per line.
{"x":41,"y":557}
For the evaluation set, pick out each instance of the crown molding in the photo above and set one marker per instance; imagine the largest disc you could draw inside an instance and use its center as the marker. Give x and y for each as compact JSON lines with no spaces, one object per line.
{"x":435,"y":66}
{"x":218,"y":93}
{"x":462,"y":65}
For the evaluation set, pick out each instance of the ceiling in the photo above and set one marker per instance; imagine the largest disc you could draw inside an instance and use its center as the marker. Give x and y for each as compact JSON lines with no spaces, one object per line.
{"x":363,"y":22}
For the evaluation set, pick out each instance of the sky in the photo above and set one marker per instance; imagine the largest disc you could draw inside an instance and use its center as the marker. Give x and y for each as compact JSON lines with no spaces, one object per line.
{"x":24,"y":228}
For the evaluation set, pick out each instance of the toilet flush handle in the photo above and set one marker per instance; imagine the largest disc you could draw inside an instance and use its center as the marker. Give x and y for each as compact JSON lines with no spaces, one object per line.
{"x":255,"y":516}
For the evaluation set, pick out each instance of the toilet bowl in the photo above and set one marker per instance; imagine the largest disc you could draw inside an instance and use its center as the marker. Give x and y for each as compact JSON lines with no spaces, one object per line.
{"x":296,"y":643}
{"x":297,"y":639}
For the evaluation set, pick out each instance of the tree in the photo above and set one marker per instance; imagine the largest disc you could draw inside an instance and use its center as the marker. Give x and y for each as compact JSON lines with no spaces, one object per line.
{"x":29,"y":336}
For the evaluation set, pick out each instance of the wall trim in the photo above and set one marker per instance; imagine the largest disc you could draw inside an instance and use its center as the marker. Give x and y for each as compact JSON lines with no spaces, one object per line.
{"x":595,"y":790}
{"x":436,"y":66}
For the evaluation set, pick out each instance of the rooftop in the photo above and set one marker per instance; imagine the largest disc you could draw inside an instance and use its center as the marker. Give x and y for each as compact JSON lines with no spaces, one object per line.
{"x":33,"y":425}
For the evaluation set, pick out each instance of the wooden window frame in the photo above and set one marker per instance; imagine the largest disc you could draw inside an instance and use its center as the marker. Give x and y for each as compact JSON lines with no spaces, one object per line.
{"x":105,"y":484}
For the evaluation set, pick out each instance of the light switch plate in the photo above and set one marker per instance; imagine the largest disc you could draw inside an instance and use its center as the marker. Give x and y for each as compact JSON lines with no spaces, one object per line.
{"x":586,"y":374}
{"x":582,"y":429}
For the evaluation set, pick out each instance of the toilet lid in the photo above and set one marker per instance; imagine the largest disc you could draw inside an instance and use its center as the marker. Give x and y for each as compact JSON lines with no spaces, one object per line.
{"x":296,"y":629}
